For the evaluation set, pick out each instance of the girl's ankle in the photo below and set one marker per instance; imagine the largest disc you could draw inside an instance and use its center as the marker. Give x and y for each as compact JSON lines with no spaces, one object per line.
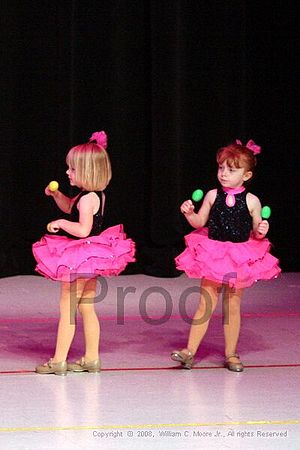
{"x":90,"y":359}
{"x":187,"y":351}
{"x":56,"y":361}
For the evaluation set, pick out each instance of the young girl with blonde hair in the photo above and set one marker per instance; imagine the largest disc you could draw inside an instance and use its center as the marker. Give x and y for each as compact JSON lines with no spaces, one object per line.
{"x":81,"y":252}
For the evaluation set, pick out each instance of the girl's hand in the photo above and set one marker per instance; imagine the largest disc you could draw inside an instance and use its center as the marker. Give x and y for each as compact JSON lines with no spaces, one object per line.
{"x":50,"y":193}
{"x":263,"y":227}
{"x":53,"y":227}
{"x":187,"y":207}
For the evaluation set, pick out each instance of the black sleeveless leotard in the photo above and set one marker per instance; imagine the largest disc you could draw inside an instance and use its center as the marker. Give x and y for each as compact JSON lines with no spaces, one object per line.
{"x":97,"y":218}
{"x":232,"y":223}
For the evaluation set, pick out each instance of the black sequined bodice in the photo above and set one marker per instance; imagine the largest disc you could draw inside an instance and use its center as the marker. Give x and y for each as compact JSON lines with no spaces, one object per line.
{"x":229,"y":223}
{"x":97,"y":218}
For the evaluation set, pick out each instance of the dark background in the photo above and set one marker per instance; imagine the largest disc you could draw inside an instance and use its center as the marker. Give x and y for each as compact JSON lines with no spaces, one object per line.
{"x":170,"y":82}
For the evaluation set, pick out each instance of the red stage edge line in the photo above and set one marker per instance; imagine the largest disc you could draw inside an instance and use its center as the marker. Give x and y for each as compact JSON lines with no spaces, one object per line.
{"x":135,"y":318}
{"x":128,"y":369}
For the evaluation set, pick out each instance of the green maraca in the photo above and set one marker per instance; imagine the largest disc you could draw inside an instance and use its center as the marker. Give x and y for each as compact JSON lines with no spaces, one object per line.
{"x":266,"y":212}
{"x":197,"y":195}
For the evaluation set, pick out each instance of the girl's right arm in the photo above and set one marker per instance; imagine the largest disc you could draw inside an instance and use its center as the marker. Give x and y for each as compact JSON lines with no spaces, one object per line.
{"x":63,"y":202}
{"x":199,"y":219}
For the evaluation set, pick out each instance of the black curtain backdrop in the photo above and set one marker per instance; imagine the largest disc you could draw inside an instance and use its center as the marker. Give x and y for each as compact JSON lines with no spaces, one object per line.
{"x":170,"y":82}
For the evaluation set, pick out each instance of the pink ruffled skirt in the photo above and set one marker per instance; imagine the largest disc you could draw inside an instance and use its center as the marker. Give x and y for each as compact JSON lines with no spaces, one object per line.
{"x":65,"y":259}
{"x":237,"y":264}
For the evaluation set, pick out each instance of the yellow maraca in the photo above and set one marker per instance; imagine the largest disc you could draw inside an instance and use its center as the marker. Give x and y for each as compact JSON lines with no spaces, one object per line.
{"x":53,"y":186}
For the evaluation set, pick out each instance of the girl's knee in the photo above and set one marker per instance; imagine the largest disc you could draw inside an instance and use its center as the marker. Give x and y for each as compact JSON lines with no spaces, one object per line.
{"x":86,"y":308}
{"x":232,"y":308}
{"x":208,"y":298}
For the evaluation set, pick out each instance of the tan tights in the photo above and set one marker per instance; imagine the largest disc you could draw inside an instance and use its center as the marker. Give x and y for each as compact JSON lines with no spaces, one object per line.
{"x":231,"y":316}
{"x":78,"y":294}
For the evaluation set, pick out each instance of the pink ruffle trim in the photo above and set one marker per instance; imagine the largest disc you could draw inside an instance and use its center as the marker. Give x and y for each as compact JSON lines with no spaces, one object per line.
{"x":64,"y":259}
{"x":236,"y":264}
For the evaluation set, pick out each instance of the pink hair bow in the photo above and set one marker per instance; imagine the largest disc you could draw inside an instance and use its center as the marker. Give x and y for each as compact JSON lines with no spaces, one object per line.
{"x":251,"y":146}
{"x":100,"y":137}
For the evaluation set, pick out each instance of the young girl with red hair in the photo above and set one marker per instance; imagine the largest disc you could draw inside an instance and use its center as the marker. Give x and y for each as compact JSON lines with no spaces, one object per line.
{"x":230,"y":254}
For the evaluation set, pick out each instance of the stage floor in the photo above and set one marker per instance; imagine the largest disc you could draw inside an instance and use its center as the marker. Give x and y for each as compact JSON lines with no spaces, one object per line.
{"x":142,"y":399}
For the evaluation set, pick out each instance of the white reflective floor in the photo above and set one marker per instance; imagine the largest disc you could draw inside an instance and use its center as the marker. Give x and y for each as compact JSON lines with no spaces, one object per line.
{"x":141,"y":399}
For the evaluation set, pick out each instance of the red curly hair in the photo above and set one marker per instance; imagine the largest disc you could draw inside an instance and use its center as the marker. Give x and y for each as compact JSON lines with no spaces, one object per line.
{"x":237,"y":155}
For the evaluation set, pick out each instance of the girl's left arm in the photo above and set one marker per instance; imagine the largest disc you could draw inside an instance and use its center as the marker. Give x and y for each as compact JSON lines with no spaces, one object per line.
{"x":259,"y":227}
{"x":87,"y":206}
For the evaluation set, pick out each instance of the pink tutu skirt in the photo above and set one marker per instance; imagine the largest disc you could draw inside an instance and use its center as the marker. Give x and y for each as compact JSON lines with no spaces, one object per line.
{"x":237,"y":264}
{"x":65,"y":259}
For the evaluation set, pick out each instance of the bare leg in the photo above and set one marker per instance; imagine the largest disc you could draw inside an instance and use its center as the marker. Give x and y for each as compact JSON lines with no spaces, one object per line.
{"x":207,"y":305}
{"x":232,"y":320}
{"x":71,"y":294}
{"x":91,"y":326}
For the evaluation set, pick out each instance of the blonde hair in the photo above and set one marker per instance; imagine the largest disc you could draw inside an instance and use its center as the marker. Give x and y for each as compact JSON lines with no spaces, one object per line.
{"x":92,"y":166}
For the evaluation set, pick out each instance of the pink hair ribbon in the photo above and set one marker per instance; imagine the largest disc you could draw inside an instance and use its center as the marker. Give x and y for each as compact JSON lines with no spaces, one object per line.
{"x":251,"y":146}
{"x":100,"y":137}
